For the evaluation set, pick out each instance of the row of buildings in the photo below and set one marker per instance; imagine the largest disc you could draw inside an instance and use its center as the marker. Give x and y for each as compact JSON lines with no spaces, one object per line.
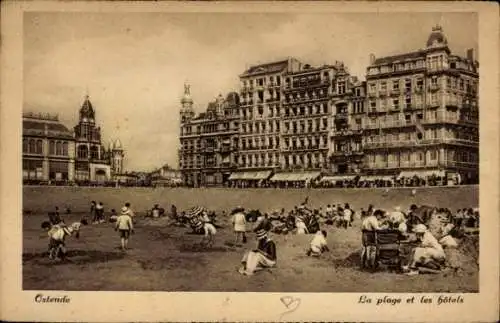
{"x":416,"y":114}
{"x":53,"y":154}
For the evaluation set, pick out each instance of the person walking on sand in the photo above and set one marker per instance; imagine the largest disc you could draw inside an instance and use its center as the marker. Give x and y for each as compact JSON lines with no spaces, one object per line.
{"x":125,"y":226}
{"x":130,"y":211}
{"x":239,"y":224}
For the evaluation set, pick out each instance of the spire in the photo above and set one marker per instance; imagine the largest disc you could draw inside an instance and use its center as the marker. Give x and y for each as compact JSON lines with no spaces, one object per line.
{"x":87,"y":112}
{"x":186,"y":99}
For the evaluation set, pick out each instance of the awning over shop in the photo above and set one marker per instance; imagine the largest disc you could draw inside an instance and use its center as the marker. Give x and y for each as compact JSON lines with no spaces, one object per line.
{"x":292,"y":177}
{"x":258,"y":175}
{"x":377,"y":178}
{"x":337,"y":178}
{"x":422,"y":173}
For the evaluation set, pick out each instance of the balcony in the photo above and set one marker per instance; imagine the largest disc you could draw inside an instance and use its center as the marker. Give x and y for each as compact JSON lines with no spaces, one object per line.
{"x":423,"y":142}
{"x":434,"y":87}
{"x":347,"y":132}
{"x":419,"y":89}
{"x":395,"y":92}
{"x":347,"y":153}
{"x":341,"y":116}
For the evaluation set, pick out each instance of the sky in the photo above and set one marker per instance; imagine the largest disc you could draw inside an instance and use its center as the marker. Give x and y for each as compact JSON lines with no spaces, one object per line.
{"x":134,"y":65}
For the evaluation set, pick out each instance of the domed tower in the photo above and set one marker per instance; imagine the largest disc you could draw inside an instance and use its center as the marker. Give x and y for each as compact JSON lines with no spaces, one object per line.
{"x":116,"y":157}
{"x":187,"y":112}
{"x":437,"y":38}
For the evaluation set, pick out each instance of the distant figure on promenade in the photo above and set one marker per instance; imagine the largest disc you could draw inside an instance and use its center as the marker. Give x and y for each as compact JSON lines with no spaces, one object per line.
{"x":125,"y":226}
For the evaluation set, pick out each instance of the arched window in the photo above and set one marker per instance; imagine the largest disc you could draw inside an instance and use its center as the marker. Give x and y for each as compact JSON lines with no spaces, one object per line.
{"x":39,"y":146}
{"x":25,"y":145}
{"x":31,"y":147}
{"x":65,"y":148}
{"x":83,"y":152}
{"x":59,"y":148}
{"x":94,"y":152}
{"x":52,"y":147}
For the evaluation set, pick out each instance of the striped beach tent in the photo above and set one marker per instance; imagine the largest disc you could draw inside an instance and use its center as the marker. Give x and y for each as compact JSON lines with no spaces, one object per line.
{"x":194,"y":215}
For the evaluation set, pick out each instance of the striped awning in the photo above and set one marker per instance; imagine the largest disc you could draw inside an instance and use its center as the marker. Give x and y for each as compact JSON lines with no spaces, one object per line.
{"x":376,"y":178}
{"x":422,"y":173}
{"x":336,"y":178}
{"x":292,"y":177}
{"x":257,"y":175}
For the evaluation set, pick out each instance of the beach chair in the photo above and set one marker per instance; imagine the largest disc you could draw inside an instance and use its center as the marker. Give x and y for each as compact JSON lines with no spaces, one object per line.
{"x":388,"y":244}
{"x":381,"y":247}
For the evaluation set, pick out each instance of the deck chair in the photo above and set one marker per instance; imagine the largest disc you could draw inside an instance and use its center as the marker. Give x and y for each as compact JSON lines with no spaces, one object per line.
{"x":388,"y":246}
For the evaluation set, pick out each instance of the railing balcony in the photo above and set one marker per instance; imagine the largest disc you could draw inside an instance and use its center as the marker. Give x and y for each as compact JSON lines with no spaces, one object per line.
{"x":434,"y":87}
{"x":341,"y":116}
{"x":395,"y":92}
{"x":419,"y":89}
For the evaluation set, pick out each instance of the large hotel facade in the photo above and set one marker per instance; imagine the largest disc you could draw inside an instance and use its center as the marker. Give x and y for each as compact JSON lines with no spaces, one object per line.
{"x":416,"y":115}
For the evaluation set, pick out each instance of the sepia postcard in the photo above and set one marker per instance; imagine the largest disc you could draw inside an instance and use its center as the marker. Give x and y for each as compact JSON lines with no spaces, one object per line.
{"x":249,"y":161}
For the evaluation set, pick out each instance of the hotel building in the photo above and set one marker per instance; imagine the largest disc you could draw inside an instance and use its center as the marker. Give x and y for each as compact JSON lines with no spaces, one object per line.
{"x":422,"y":113}
{"x":209,"y":140}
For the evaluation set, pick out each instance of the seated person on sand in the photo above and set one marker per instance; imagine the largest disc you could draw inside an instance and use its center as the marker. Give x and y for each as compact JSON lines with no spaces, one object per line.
{"x":155,"y":211}
{"x":300,"y":224}
{"x":318,"y":244}
{"x":262,"y":257}
{"x":429,"y":253}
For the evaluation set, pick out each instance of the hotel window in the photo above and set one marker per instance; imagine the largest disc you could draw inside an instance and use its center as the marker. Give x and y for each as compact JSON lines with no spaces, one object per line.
{"x":434,"y":98}
{"x":325,"y":108}
{"x":434,"y":81}
{"x":383,"y":86}
{"x":358,"y":92}
{"x":408,"y":85}
{"x":395,"y":104}
{"x":340,"y":87}
{"x":325,"y":123}
{"x":39,"y":148}
{"x":373,"y":105}
{"x":395,"y":85}
{"x":373,"y":87}
{"x":420,"y":156}
{"x":408,"y":119}
{"x":408,"y":102}
{"x":52,"y":147}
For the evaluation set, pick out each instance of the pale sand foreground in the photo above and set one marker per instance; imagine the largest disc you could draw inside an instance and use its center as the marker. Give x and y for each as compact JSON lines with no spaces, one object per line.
{"x":163,"y":258}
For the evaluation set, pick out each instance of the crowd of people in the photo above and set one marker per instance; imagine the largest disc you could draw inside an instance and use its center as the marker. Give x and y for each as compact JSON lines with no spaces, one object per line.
{"x":414,"y":226}
{"x":355,"y":182}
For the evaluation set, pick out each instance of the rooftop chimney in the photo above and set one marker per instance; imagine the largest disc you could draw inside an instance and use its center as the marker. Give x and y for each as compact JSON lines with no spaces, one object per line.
{"x":372,"y":59}
{"x":470,"y":54}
